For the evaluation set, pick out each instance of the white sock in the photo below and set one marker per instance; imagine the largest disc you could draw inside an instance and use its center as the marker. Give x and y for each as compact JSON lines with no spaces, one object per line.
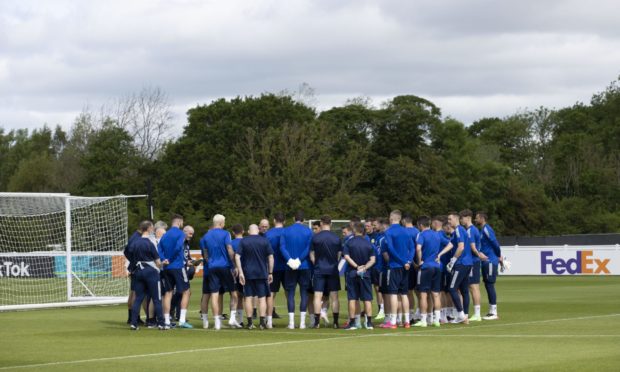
{"x":269,"y":320}
{"x":302,"y":317}
{"x":493,"y":309}
{"x":291,"y":318}
{"x":358,"y":319}
{"x":323,"y":311}
{"x":407,"y":317}
{"x":381,"y":308}
{"x":393,"y":318}
{"x":167,"y":319}
{"x":461,"y":315}
{"x":454,"y":312}
{"x":233,"y":316}
{"x":204,"y":316}
{"x":218,"y":321}
{"x":476,"y":310}
{"x":183,"y":316}
{"x":400,"y":317}
{"x":423,"y":318}
{"x":437,"y":316}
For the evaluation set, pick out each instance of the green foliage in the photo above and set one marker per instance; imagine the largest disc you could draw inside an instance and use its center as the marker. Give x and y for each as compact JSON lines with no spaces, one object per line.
{"x":536,"y":172}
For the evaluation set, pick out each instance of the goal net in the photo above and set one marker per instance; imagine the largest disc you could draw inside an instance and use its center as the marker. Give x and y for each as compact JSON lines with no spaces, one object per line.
{"x":62,"y":250}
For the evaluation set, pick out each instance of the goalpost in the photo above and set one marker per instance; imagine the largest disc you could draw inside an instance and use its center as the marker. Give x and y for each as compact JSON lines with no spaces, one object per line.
{"x":62,"y":250}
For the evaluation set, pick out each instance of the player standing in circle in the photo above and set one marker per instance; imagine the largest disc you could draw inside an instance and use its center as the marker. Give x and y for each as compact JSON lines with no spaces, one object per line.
{"x":490,"y":247}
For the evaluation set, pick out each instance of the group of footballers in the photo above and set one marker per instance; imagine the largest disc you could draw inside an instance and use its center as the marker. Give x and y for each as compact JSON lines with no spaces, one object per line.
{"x":421,"y":274}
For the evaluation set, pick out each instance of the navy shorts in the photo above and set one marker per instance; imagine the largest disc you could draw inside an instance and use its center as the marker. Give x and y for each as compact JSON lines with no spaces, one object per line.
{"x":474,"y":275}
{"x":375,"y":277}
{"x":294,"y":277}
{"x":429,"y":279}
{"x":413,"y":279}
{"x":326,"y":283}
{"x":278,"y":280}
{"x":205,"y":285}
{"x":445,"y":280}
{"x":256,"y":288}
{"x":175,"y":279}
{"x":460,"y":274}
{"x":358,"y":288}
{"x":383,"y":274}
{"x":397,"y":281}
{"x":489,"y":272}
{"x":221,"y":278}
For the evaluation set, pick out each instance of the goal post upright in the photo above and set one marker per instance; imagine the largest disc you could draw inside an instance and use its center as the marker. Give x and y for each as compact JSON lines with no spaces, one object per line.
{"x":68,"y":265}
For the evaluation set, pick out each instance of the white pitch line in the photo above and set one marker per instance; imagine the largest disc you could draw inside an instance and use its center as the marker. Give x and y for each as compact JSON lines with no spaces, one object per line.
{"x":232,"y":347}
{"x":507,"y":336}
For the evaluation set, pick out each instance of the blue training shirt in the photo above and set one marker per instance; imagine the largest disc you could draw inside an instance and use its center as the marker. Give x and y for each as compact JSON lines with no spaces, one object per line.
{"x":474,"y":237}
{"x":215,"y":242}
{"x":295,"y":243}
{"x":235,"y":244}
{"x":413,"y":232}
{"x":171,"y":248}
{"x":399,"y":246}
{"x":273,"y":235}
{"x":431,"y":243}
{"x":254,"y":252}
{"x":489,"y":244}
{"x":359,"y":250}
{"x":460,"y":236}
{"x":326,"y":245}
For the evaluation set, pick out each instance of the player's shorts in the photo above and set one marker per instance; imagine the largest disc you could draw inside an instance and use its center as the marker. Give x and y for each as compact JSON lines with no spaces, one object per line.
{"x":205,"y":285}
{"x":294,"y":277}
{"x":375,"y":276}
{"x":460,"y":275}
{"x":383,"y":275}
{"x":429,"y":279}
{"x":474,"y":275}
{"x":489,"y":272}
{"x":413,"y":279}
{"x":278,"y":280}
{"x":397,"y":281}
{"x":256,"y":288}
{"x":326,"y":283}
{"x":445,"y":280}
{"x":175,"y":279}
{"x":358,"y":288}
{"x":221,"y":277}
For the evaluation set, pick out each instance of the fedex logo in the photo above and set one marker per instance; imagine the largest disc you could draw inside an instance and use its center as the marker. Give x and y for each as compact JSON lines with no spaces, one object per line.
{"x":583,"y":263}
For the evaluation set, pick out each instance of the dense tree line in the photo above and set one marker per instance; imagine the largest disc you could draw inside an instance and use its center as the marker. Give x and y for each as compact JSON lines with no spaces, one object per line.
{"x":536,"y":172}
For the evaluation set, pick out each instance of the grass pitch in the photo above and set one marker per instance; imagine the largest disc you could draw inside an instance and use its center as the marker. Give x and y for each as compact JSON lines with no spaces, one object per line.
{"x":547,"y":324}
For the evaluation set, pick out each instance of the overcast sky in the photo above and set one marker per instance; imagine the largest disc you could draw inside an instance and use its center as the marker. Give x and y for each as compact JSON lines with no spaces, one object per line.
{"x":472,"y":58}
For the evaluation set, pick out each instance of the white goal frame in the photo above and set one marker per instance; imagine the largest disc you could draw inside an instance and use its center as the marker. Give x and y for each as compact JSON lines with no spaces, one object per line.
{"x":69,"y":255}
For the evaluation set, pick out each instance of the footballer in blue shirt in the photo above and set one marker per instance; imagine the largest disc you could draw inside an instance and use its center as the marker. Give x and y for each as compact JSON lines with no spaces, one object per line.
{"x":171,"y":252}
{"x":254,"y":260}
{"x":473,"y":235}
{"x":491,"y":248}
{"x":459,"y":267}
{"x":279,"y":265}
{"x":360,"y":256}
{"x":428,"y":244}
{"x":216,"y":246}
{"x":237,"y":230}
{"x":414,"y":312}
{"x":400,"y":251}
{"x":325,"y":253}
{"x":295,"y":248}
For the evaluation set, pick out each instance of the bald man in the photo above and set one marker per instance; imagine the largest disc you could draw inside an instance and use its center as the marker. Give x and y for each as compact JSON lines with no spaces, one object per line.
{"x":254,"y":261}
